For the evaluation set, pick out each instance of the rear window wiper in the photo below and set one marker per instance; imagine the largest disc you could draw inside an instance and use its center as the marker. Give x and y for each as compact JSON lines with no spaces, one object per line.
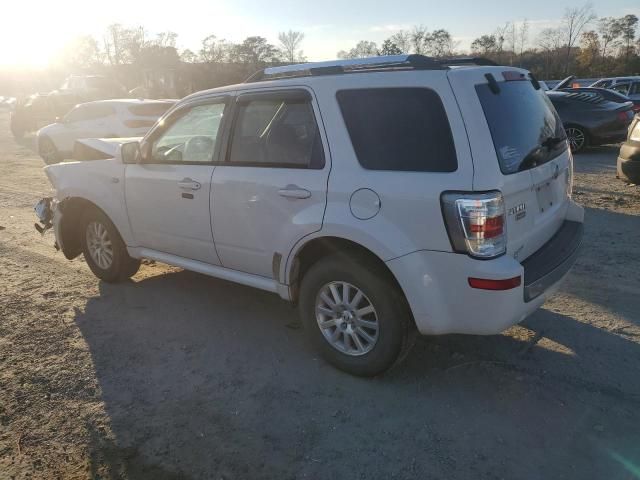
{"x":530,"y":160}
{"x":553,"y":141}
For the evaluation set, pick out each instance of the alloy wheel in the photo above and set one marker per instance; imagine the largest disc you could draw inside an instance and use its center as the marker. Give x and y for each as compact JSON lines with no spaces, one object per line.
{"x":347,"y":318}
{"x":99,"y":245}
{"x":49,"y":152}
{"x":576,"y":138}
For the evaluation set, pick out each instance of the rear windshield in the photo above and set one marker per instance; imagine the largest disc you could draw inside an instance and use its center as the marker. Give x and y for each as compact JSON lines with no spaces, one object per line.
{"x":149,"y":109}
{"x":525,"y":128}
{"x":403,"y":129}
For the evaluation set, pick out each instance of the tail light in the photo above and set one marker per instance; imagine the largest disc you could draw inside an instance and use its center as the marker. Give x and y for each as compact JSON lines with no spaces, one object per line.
{"x":625,"y":115}
{"x":476,"y":223}
{"x":139,"y":123}
{"x":568,"y":175}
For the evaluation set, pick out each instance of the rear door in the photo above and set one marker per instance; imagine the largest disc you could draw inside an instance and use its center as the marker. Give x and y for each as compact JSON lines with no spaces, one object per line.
{"x":519,"y":147}
{"x":271,"y":189}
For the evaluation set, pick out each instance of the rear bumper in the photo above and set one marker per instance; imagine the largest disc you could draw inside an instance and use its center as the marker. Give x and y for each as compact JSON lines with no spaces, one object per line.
{"x":436,"y":284}
{"x":615,"y":136}
{"x":553,"y":261}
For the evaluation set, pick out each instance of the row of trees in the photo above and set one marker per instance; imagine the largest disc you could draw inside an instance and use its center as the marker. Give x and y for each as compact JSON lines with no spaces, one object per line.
{"x":581,"y":44}
{"x":438,"y":43}
{"x":124,"y":45}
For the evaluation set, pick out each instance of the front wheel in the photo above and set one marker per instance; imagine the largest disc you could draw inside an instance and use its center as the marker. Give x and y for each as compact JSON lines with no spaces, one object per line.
{"x":577,"y":137}
{"x":103,"y":249}
{"x":48,"y":151}
{"x":354,"y":315}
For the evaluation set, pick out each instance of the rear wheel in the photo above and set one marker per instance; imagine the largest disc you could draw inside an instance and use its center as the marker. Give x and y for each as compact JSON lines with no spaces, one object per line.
{"x":103,"y":249}
{"x":48,"y":151}
{"x":354,"y":315}
{"x":577,"y":137}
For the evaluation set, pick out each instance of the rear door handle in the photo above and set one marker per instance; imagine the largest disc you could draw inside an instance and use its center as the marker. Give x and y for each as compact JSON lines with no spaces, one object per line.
{"x":188,"y":184}
{"x":294,"y":192}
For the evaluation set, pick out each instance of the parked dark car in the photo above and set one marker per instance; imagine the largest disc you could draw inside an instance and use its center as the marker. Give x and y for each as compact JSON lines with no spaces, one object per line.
{"x":628,"y":86}
{"x":35,"y":111}
{"x":629,"y":156}
{"x":590,"y":119}
{"x":610,"y":94}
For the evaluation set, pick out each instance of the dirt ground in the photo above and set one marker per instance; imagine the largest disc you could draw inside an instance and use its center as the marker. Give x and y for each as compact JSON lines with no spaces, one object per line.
{"x":177,"y":375}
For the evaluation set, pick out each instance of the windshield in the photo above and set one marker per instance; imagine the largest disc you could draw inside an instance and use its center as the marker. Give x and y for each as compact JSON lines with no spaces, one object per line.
{"x":525,"y":128}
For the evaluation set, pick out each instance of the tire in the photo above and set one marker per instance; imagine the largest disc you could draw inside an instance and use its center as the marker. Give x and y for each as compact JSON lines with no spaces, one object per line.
{"x":107,"y":255}
{"x":48,"y":151}
{"x":395,"y":333}
{"x":578,"y":138}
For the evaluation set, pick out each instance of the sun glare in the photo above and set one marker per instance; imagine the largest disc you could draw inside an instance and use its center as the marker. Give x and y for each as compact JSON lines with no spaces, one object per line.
{"x":34,"y":32}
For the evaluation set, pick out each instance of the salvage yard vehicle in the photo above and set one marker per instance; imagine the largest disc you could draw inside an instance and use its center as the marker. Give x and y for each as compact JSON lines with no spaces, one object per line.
{"x":85,"y":88}
{"x":590,"y":118}
{"x":103,"y":118}
{"x":629,"y":156}
{"x":384,"y":196}
{"x":33,"y":112}
{"x":627,"y":86}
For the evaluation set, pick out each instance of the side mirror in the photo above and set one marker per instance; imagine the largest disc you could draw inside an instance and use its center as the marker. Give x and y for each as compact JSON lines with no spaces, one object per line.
{"x":130,"y":152}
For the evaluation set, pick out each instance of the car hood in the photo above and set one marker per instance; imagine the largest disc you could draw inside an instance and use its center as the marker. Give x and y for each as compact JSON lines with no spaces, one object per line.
{"x":99,"y":148}
{"x":50,"y":129}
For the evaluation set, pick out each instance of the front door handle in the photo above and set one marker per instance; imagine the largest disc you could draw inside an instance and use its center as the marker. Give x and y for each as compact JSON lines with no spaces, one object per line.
{"x":294,"y":192}
{"x":188,"y":184}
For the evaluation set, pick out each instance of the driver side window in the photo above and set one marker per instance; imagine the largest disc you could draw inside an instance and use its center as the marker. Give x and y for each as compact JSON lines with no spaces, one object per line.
{"x":191,"y":138}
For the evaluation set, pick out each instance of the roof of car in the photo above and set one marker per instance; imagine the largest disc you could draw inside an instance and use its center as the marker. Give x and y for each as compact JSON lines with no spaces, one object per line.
{"x":292,"y":74}
{"x":621,"y":79}
{"x":130,"y":101}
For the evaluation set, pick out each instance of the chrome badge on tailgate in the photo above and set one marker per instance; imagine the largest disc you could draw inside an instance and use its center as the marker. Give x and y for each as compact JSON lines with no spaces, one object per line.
{"x":520,"y":211}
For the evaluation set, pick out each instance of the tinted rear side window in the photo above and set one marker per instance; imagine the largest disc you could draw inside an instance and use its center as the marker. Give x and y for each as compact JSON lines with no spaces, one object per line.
{"x":149,"y":109}
{"x":399,"y":129}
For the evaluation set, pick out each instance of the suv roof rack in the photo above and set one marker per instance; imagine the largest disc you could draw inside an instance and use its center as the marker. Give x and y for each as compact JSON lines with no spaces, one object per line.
{"x":357,"y":65}
{"x":479,"y":61}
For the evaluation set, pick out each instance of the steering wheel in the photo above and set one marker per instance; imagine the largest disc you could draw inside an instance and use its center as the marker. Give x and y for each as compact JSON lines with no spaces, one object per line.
{"x":198,"y":149}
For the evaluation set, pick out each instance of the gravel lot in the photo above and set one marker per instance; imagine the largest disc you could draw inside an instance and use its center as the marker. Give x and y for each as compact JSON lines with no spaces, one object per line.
{"x":176,"y":375}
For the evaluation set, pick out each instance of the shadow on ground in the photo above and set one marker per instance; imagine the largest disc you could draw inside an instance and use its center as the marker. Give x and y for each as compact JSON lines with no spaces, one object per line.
{"x":206,"y":379}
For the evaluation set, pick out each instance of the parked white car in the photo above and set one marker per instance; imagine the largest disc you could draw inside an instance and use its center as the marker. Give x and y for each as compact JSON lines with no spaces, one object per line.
{"x":103,"y":118}
{"x":383,"y":196}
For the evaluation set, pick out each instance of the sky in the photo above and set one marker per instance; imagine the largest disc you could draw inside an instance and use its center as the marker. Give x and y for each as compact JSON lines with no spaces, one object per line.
{"x":34,"y":31}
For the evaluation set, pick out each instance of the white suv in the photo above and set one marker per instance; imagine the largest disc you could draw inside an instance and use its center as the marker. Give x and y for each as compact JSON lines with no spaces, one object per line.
{"x":384,"y":196}
{"x":103,"y":118}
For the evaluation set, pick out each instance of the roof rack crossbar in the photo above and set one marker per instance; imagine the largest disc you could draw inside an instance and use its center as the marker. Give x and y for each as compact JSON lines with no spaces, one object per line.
{"x":370,"y":64}
{"x":480,"y":61}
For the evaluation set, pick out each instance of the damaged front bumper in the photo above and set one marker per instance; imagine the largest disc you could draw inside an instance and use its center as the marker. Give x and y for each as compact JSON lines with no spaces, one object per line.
{"x":48,"y":215}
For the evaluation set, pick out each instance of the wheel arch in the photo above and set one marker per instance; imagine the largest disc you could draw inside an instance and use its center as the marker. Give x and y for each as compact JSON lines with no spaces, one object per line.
{"x":310,"y":252}
{"x":73,"y":209}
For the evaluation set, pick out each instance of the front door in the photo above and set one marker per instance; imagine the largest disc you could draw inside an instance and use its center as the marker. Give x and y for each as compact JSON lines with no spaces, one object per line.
{"x":167,"y":194}
{"x":271,"y":189}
